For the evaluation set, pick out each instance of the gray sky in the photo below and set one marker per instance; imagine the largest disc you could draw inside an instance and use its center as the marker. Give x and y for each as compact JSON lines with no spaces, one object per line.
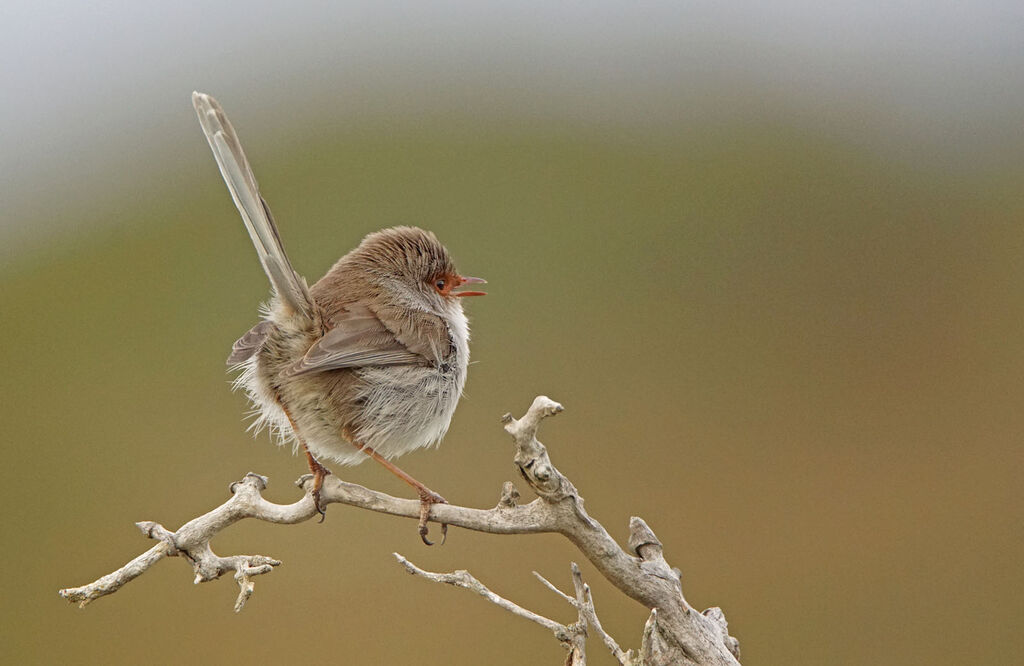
{"x":95,"y":91}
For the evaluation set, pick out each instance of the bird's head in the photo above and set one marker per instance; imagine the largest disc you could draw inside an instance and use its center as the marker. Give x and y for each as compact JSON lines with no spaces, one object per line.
{"x":415,"y":260}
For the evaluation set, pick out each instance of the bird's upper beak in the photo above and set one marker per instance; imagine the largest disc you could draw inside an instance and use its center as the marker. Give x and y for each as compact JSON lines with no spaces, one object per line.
{"x":469,"y":280}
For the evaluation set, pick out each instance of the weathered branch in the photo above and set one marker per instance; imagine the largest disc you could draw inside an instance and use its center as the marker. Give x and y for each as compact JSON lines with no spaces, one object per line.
{"x":192,"y":541}
{"x":572,"y":637}
{"x":675,"y":632}
{"x":679,"y":634}
{"x":585,"y":603}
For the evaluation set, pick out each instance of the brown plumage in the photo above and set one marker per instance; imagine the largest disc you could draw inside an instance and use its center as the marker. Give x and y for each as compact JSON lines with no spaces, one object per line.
{"x":368,"y":362}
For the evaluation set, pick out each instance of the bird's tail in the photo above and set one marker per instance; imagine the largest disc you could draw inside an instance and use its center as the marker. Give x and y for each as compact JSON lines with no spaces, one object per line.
{"x":289,"y":286}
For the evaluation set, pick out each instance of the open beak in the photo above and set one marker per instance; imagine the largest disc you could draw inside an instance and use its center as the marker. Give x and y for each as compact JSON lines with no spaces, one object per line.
{"x":469,"y":280}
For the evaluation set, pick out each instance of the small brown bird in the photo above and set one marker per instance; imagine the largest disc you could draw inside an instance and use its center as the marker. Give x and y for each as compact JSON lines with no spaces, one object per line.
{"x":371,"y":360}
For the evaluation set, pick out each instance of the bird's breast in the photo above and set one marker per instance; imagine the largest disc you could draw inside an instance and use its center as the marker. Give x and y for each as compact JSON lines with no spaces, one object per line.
{"x":403,"y":408}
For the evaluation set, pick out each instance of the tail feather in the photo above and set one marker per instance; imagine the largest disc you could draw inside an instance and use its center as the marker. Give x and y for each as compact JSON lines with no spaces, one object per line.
{"x":289,"y":286}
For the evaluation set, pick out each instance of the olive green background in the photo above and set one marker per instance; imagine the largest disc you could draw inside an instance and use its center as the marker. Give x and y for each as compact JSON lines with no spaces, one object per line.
{"x":794,"y":349}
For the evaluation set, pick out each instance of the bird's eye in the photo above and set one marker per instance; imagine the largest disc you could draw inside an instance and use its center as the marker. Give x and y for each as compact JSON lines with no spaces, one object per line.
{"x":440,"y":285}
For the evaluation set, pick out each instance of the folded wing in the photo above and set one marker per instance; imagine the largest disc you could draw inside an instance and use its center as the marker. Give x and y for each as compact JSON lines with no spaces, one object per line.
{"x":358,"y":338}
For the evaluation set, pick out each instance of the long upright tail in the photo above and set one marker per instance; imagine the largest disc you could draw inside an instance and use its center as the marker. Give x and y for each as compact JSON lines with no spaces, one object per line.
{"x":289,"y":286}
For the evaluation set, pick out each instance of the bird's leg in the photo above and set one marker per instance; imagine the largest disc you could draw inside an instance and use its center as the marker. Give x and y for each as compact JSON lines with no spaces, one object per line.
{"x":427,"y":496}
{"x":319,"y":471}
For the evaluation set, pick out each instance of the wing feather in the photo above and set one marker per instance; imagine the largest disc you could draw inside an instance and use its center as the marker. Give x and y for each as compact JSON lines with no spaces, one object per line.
{"x":250,"y":343}
{"x":358,"y":338}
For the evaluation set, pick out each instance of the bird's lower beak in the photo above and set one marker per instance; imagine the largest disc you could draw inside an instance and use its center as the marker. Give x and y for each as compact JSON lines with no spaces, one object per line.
{"x":470,"y":280}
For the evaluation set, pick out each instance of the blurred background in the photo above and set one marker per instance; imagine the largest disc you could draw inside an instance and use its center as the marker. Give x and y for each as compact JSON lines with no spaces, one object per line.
{"x":769,"y":258}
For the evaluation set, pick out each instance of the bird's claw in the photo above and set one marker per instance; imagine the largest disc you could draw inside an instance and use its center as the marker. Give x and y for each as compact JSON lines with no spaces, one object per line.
{"x":319,"y":474}
{"x":320,"y":508}
{"x":429,"y":498}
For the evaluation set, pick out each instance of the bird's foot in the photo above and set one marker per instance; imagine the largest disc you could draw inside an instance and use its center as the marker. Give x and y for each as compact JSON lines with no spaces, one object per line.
{"x":319,"y":474}
{"x":429,"y":498}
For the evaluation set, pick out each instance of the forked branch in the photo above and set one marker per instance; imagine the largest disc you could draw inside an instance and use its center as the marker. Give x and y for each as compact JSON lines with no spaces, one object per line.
{"x":675,"y":632}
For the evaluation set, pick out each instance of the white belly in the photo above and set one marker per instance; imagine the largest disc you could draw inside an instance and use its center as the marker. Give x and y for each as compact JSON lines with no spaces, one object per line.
{"x":406,"y":408}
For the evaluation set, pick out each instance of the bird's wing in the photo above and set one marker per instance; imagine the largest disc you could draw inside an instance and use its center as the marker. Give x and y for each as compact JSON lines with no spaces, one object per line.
{"x":250,"y":343}
{"x":358,"y":339}
{"x":420,"y":332}
{"x":289,"y":286}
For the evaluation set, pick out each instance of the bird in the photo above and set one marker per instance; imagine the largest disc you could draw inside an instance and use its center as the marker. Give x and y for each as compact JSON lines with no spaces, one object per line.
{"x":367,"y":363}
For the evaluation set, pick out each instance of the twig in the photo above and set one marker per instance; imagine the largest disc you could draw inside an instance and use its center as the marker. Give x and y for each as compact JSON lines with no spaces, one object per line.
{"x":585,"y":603}
{"x":192,"y":541}
{"x":467,"y":581}
{"x":675,"y":632}
{"x":546,"y":583}
{"x":572,"y":637}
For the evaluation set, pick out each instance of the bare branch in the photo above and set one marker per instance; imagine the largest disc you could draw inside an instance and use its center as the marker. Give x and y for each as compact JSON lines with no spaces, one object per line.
{"x":585,"y":602}
{"x":550,"y":586}
{"x":192,"y":541}
{"x":113,"y":582}
{"x":467,"y":581}
{"x":572,"y":637}
{"x":675,"y":633}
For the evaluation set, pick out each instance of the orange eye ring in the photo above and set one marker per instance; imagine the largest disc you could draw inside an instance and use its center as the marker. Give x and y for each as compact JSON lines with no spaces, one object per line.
{"x":446,"y":284}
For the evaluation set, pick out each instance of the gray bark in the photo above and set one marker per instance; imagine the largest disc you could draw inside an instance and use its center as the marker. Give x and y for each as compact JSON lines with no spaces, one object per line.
{"x":675,"y":632}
